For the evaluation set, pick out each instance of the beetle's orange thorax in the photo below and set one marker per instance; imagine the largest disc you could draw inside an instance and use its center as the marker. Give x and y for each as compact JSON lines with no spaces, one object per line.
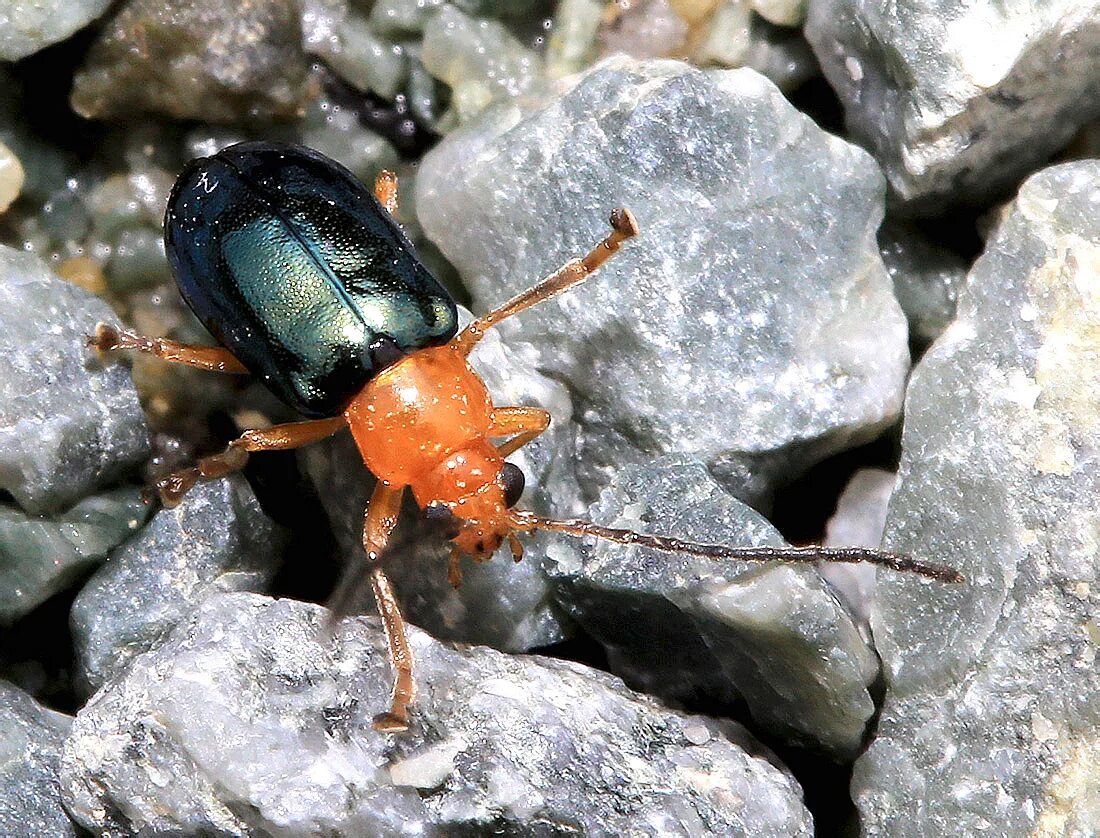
{"x":412,"y":415}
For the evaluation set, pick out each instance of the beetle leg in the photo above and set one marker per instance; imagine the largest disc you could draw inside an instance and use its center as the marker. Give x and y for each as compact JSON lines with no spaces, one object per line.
{"x":385,"y":190}
{"x":623,"y":227}
{"x":525,"y":422}
{"x":454,"y":568}
{"x":381,"y":518}
{"x":213,"y":358}
{"x":278,"y":438}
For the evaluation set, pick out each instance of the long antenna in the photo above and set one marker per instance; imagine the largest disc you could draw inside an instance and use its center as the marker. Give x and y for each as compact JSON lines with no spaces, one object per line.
{"x":895,"y":561}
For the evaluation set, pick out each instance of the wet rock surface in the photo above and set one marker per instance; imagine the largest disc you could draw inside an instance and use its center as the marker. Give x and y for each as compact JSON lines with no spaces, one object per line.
{"x":960,"y":98}
{"x":30,"y":751}
{"x":521,"y":745}
{"x":218,"y":539}
{"x":67,"y":425}
{"x":991,"y":709}
{"x":712,"y":333}
{"x":689,"y":628}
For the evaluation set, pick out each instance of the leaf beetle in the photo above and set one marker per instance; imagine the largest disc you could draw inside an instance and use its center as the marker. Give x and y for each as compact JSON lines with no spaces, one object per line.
{"x":306,"y":280}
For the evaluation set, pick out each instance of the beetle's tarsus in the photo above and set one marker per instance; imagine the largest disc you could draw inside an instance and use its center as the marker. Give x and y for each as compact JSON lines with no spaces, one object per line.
{"x":624,"y":222}
{"x":390,"y":723}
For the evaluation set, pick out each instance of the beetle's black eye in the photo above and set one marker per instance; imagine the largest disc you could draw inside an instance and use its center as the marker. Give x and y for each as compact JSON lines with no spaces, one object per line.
{"x":513,"y":481}
{"x":384,"y":352}
{"x":442,"y":520}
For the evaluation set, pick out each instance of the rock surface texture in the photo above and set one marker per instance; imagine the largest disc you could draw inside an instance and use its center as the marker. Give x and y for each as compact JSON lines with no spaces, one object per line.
{"x":67,"y":425}
{"x":993,"y":701}
{"x":250,"y":720}
{"x":206,"y":60}
{"x":713,"y":333}
{"x":26,"y":26}
{"x":30,"y":750}
{"x":959,"y":99}
{"x":218,"y":539}
{"x":689,"y":628}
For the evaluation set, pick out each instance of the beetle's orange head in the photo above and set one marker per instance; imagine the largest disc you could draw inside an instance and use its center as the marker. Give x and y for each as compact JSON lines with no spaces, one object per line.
{"x":470,"y":493}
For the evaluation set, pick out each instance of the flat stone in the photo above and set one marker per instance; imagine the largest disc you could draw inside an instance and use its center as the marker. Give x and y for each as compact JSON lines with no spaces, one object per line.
{"x":205,"y":60}
{"x":30,"y":750}
{"x":501,"y":604}
{"x":692,"y":629}
{"x":68,"y":425}
{"x":991,"y":712}
{"x":251,"y":720}
{"x":40,"y":556}
{"x":26,"y":26}
{"x":218,"y":539}
{"x":718,"y":331}
{"x":959,"y":99}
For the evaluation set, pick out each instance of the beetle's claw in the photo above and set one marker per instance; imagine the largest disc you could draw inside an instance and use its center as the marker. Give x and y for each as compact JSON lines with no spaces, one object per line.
{"x":105,"y":338}
{"x":390,"y":723}
{"x":624,"y":222}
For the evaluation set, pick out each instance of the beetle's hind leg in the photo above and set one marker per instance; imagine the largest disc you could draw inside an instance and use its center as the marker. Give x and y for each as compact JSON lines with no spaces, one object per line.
{"x":623,"y":227}
{"x":213,"y":358}
{"x":278,"y":438}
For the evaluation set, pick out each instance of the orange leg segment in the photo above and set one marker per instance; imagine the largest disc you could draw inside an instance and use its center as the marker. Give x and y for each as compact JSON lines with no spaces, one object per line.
{"x":381,"y":518}
{"x":213,"y":358}
{"x":623,"y":227}
{"x":278,"y":438}
{"x":385,"y":190}
{"x":525,"y":422}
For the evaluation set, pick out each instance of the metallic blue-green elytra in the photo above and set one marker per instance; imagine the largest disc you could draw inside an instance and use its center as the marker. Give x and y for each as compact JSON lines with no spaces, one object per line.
{"x":294,"y":266}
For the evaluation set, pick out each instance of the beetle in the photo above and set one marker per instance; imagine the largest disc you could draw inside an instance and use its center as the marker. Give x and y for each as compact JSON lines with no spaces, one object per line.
{"x":306,"y":280}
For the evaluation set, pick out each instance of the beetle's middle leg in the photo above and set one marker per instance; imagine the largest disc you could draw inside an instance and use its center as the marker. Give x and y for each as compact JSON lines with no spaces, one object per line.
{"x":525,"y":422}
{"x":278,"y":438}
{"x":623,"y":227}
{"x":213,"y":358}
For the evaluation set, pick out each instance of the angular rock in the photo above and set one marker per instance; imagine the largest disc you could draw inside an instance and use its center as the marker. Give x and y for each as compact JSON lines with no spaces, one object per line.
{"x":727,"y":34}
{"x":959,"y":99}
{"x":501,"y":604}
{"x":859,"y":521}
{"x":689,"y":628}
{"x":26,"y":26}
{"x":251,"y":720}
{"x":41,"y":556}
{"x":927,"y":279}
{"x":208,"y":60}
{"x":218,"y":539}
{"x":993,"y":699}
{"x":480,"y":60}
{"x":750,"y":324}
{"x":30,"y":750}
{"x":67,"y":424}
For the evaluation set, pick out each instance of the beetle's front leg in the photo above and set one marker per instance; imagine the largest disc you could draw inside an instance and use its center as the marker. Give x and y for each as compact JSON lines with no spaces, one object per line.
{"x":381,"y":518}
{"x":212,"y":358}
{"x":278,"y":438}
